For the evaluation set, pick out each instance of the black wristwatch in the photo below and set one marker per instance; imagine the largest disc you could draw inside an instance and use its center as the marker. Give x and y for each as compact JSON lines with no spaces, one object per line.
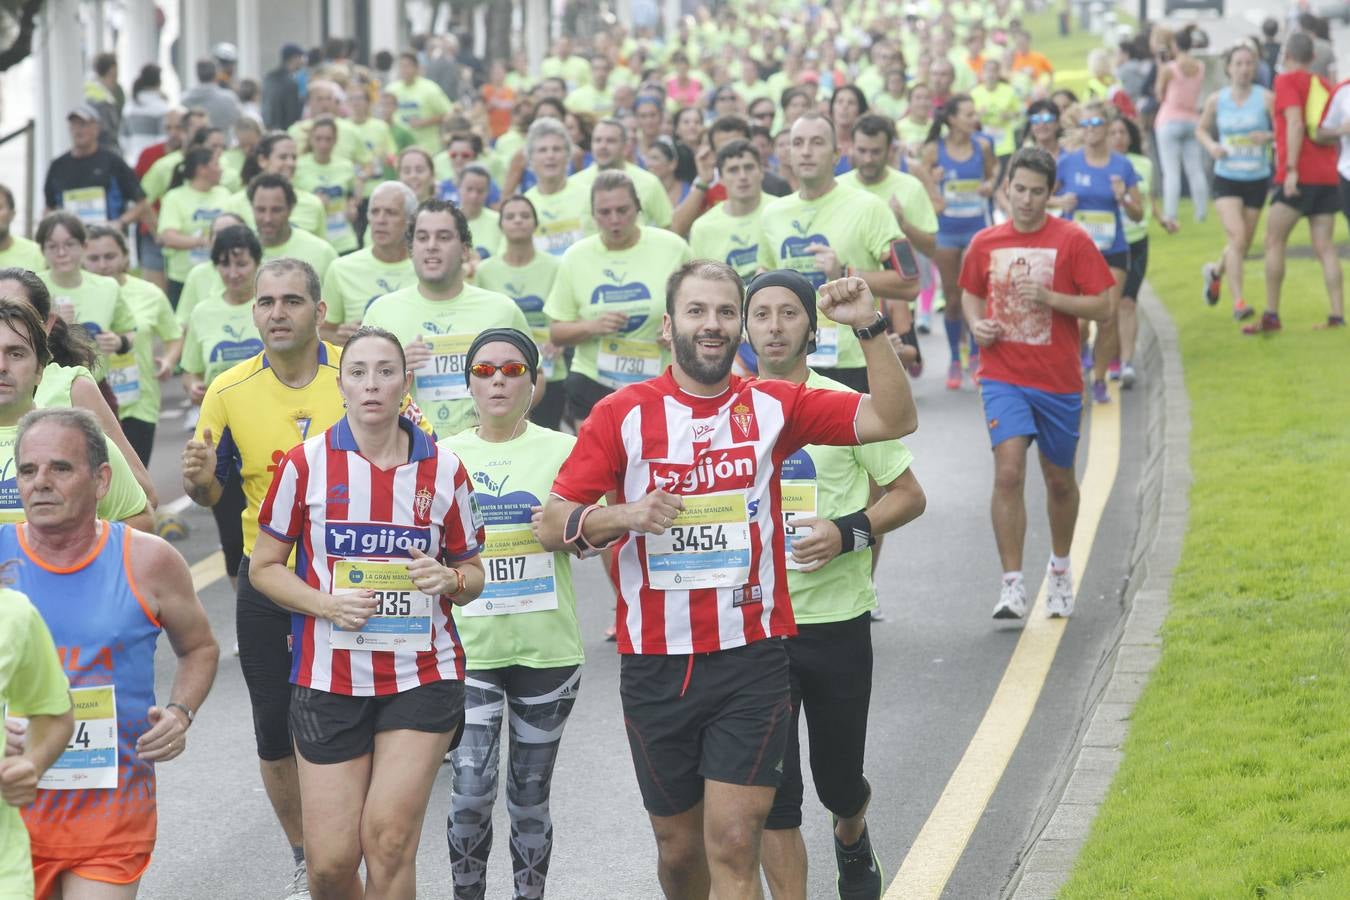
{"x":124,"y":346}
{"x":878,"y":327}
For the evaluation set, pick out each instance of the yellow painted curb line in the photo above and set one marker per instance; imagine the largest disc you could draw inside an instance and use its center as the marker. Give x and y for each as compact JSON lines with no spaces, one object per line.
{"x":208,"y":571}
{"x":936,"y":851}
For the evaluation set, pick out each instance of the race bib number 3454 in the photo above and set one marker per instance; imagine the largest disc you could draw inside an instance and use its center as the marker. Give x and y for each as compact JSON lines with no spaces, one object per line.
{"x":707,"y":546}
{"x":403,"y":619}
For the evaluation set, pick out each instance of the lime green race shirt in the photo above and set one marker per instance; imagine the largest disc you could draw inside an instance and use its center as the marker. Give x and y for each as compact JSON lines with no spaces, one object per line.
{"x":156,"y":180}
{"x":379,"y":141}
{"x":915,"y":202}
{"x":423,"y":99}
{"x":333,"y":183}
{"x":132,"y":375}
{"x":22,"y":253}
{"x":527,"y":285}
{"x":349,"y":146}
{"x":202,"y":281}
{"x":1000,"y":112}
{"x":594,"y":280}
{"x":96,"y":304}
{"x":1143,"y":167}
{"x":54,"y":389}
{"x":825,"y":483}
{"x":734,"y":240}
{"x":656,"y":208}
{"x":220,"y":335}
{"x":563,"y":216}
{"x":857,"y":226}
{"x":487,"y":233}
{"x":508,"y":478}
{"x":308,"y":215}
{"x":189,"y":212}
{"x":356,"y":280}
{"x":303,"y":245}
{"x":586,"y":99}
{"x":450,"y":326}
{"x":32,"y":683}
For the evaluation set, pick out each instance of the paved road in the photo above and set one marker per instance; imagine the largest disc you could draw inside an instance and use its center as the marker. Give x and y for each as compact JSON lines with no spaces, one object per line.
{"x":939,"y":658}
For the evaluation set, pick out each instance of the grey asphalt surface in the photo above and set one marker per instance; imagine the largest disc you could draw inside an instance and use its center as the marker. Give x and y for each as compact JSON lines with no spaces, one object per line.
{"x":939,"y":657}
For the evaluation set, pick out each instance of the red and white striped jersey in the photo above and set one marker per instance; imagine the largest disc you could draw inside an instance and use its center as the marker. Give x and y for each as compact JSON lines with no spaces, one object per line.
{"x":334,"y":505}
{"x":726,"y":449}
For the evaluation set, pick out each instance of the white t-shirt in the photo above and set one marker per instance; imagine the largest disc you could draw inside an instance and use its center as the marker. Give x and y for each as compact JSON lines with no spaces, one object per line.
{"x":1338,"y":112}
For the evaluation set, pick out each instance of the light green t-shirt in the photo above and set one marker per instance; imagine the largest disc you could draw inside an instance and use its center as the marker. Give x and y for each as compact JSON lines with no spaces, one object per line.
{"x":308,"y":215}
{"x":563,"y":216}
{"x":587,"y":99}
{"x":202,"y":281}
{"x":858,"y":227}
{"x":349,"y":145}
{"x":333,"y":183}
{"x":734,"y":240}
{"x":912,"y":133}
{"x":487,"y":233}
{"x":23,"y":253}
{"x":32,"y":683}
{"x":125,"y":497}
{"x":132,"y":375}
{"x":356,"y":280}
{"x":527,"y":285}
{"x":888,"y":105}
{"x":1143,"y":167}
{"x":575,"y":70}
{"x":594,"y":280}
{"x":379,"y":140}
{"x":527,"y":613}
{"x":915,"y":202}
{"x":220,"y":335}
{"x":422,"y":99}
{"x":828,"y":482}
{"x":96,"y":304}
{"x":156,"y":180}
{"x":1000,"y":112}
{"x":449,"y":326}
{"x":656,"y":208}
{"x":303,"y":245}
{"x":54,"y":389}
{"x":189,"y":212}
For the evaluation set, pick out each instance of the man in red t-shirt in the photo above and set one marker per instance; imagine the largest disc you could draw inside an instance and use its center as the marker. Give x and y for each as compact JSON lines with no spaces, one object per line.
{"x":1027,"y":283}
{"x":1306,"y":185}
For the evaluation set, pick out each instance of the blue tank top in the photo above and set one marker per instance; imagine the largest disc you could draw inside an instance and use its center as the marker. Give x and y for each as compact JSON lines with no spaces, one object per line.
{"x":1245,"y":161}
{"x":105,"y":635}
{"x":965,"y":211}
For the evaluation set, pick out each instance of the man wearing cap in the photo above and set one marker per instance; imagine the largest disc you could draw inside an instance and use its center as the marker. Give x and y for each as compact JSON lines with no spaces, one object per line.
{"x":226,"y":56}
{"x":90,"y":181}
{"x":829,"y":530}
{"x":690,"y":463}
{"x":281,"y":107}
{"x":220,"y":103}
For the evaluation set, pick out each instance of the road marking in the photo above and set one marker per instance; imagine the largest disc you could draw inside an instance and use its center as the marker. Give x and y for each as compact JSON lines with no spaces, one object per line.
{"x":177,"y":506}
{"x":206,"y":572}
{"x":936,"y":851}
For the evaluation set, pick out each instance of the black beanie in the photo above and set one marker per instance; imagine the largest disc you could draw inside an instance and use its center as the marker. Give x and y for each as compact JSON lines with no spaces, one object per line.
{"x":518,"y":339}
{"x":793,"y":281}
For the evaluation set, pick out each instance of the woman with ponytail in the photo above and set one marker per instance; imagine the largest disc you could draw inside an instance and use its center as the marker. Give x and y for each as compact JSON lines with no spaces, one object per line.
{"x":965,"y":168}
{"x":195,"y":198}
{"x":67,"y":381}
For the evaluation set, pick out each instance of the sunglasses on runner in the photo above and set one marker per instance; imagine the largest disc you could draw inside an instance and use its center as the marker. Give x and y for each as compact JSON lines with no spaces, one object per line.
{"x":1043,"y":118}
{"x":1092,"y":122}
{"x":510,"y":370}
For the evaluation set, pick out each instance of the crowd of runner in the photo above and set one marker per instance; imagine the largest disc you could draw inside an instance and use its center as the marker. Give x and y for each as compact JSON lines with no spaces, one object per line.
{"x":672,"y":293}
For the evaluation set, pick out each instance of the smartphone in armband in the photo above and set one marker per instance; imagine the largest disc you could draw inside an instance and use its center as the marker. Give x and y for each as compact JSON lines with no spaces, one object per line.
{"x":902,"y":259}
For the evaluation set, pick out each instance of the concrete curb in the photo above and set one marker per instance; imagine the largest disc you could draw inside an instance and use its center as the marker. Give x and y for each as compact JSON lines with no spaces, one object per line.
{"x":1164,"y":491}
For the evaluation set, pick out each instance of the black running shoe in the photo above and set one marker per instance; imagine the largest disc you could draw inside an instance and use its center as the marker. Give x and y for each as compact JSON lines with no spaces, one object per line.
{"x":860,"y":875}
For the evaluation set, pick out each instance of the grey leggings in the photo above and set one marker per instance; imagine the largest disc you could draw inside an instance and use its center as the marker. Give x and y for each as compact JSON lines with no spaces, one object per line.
{"x":1178,"y":149}
{"x":540,"y":701}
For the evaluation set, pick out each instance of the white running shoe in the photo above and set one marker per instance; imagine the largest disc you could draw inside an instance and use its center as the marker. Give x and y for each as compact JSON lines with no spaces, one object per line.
{"x":1012,"y":600}
{"x":298,"y":889}
{"x":1058,"y":593}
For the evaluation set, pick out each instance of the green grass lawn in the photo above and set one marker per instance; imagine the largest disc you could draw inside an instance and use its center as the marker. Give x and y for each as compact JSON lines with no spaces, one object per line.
{"x":1236,"y":777}
{"x":1067,"y":54}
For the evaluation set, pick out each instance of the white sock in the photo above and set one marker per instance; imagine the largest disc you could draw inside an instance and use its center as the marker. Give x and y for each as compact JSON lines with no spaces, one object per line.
{"x":1059,"y":563}
{"x":1012,"y":577}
